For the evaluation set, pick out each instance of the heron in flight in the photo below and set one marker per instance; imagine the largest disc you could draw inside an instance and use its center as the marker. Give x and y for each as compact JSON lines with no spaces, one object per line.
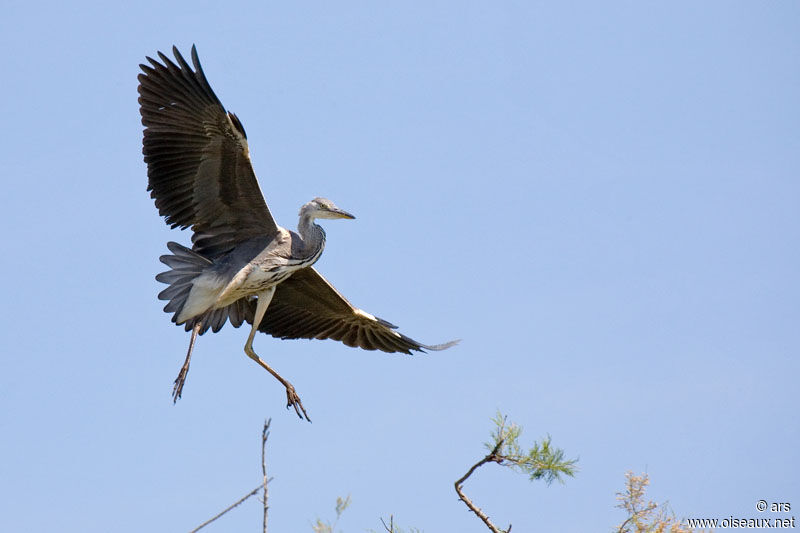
{"x":242,"y":266}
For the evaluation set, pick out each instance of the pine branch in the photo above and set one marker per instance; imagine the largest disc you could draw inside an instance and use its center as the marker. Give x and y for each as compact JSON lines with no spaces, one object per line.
{"x":542,"y":461}
{"x":492,"y":457}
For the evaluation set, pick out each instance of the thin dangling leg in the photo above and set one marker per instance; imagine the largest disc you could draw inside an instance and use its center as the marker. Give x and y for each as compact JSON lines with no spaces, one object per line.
{"x":179,"y":381}
{"x":292,"y":399}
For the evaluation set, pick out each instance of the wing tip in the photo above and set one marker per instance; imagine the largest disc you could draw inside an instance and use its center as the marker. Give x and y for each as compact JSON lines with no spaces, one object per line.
{"x":440,"y":347}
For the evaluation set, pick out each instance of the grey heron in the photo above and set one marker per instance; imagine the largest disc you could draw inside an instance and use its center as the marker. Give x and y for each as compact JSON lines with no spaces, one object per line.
{"x":242,"y":266}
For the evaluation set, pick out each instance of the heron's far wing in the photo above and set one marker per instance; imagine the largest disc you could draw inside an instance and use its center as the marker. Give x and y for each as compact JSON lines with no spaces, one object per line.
{"x":306,"y":306}
{"x":198,"y":162}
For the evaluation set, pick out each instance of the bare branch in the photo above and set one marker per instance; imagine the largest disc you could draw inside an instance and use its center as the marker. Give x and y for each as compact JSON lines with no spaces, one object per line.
{"x":493,"y":457}
{"x":264,"y":436}
{"x":242,"y":500}
{"x":390,"y":527}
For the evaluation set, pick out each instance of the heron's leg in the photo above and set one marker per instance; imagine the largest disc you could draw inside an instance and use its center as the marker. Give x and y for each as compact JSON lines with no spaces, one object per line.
{"x":292,"y":399}
{"x":179,"y":381}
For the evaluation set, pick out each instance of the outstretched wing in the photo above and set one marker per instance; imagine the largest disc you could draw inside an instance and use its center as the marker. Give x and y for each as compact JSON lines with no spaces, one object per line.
{"x":198,"y":163}
{"x":306,"y":306}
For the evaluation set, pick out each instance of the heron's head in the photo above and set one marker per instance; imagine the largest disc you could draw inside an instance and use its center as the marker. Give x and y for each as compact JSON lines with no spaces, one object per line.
{"x":323,"y":208}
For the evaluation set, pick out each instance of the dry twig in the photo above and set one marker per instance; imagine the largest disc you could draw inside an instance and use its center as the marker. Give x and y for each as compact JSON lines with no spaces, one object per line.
{"x":242,"y":500}
{"x":390,"y":527}
{"x":264,"y":435}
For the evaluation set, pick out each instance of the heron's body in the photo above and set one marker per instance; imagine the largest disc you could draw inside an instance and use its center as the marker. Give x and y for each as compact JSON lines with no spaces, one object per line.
{"x":267,"y":262}
{"x":241,"y":262}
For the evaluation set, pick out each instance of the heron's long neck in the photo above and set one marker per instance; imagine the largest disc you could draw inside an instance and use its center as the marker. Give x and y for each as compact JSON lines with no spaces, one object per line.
{"x":313,"y":236}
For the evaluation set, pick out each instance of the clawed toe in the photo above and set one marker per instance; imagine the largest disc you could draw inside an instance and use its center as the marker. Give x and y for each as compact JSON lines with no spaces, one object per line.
{"x":177,"y":388}
{"x":293,"y":400}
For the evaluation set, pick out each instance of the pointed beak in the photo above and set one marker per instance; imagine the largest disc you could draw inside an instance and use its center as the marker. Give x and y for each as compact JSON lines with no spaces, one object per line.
{"x":340,"y":213}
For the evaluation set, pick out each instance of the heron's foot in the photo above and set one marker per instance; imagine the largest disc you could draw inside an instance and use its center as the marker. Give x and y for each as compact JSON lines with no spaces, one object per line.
{"x":293,"y":400}
{"x":177,"y":388}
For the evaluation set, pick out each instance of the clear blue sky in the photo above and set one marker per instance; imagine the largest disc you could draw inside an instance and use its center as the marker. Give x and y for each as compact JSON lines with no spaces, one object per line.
{"x":600,"y":199}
